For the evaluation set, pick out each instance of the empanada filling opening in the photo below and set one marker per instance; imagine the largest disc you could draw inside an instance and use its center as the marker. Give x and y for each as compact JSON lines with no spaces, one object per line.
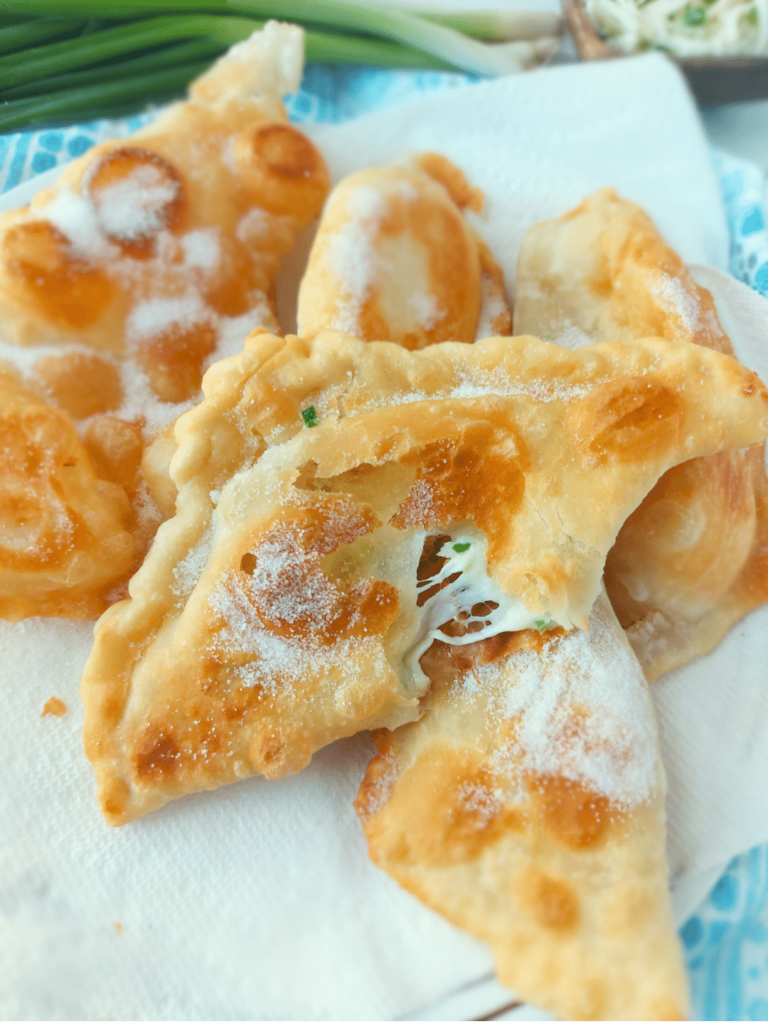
{"x":459,"y":601}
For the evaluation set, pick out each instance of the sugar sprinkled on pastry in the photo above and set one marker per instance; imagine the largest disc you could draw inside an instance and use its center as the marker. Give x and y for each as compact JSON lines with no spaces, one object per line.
{"x":280,"y":608}
{"x":527,"y":807}
{"x":154,"y":256}
{"x":693,"y":558}
{"x":162,"y":248}
{"x":395,"y":259}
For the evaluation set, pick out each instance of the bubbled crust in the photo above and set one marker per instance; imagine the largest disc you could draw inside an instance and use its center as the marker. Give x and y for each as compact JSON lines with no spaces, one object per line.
{"x":394,"y":258}
{"x":65,"y":542}
{"x":232,"y":167}
{"x":692,"y":559}
{"x":569,"y":890}
{"x":608,"y":415}
{"x":170,"y":236}
{"x":518,"y":459}
{"x":604,"y":269}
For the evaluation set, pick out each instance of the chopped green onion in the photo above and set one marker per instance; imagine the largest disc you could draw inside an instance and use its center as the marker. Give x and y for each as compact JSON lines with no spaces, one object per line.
{"x":309,"y":415}
{"x":752,"y":16}
{"x":461,"y":547}
{"x":694,"y":16}
{"x":543,"y":624}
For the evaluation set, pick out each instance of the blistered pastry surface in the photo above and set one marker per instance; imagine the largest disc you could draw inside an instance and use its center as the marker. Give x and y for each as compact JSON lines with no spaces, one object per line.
{"x":692,"y":559}
{"x":527,"y":807}
{"x":152,"y":257}
{"x":395,"y":259}
{"x":499,"y":436}
{"x":66,"y":540}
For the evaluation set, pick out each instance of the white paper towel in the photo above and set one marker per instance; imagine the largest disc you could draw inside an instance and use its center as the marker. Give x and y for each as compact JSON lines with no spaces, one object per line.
{"x":258,"y":901}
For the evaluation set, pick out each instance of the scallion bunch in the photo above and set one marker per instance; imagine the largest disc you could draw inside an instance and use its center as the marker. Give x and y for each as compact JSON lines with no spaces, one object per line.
{"x":65,"y":60}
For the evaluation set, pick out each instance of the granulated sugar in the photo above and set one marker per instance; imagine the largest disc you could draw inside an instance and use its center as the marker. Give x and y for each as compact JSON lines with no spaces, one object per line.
{"x":350,"y":256}
{"x":157,"y":315}
{"x":76,"y":218}
{"x":483,"y":803}
{"x":478,"y":383}
{"x":673,"y":298}
{"x":570,"y":336}
{"x":491,"y":307}
{"x":190,"y":569}
{"x":277,"y":662}
{"x":580,"y":709}
{"x":134,"y":207}
{"x":202,"y":249}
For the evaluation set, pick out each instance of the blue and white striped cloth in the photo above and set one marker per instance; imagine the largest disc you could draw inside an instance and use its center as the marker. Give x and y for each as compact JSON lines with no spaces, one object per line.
{"x":726,"y":940}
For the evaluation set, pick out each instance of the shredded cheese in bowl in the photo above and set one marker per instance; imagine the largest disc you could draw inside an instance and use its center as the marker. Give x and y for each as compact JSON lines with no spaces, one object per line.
{"x":685,"y":28}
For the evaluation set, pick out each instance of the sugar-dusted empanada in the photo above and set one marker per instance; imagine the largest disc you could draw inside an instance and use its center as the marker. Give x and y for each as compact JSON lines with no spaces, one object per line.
{"x":65,"y":539}
{"x":693,"y":558}
{"x":527,"y":807}
{"x":155,"y":255}
{"x":280,"y":608}
{"x":161,"y":249}
{"x":395,"y":259}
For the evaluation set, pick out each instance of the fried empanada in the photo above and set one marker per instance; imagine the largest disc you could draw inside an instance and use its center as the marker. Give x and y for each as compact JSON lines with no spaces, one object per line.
{"x":65,"y":540}
{"x":162,"y":249}
{"x":394,"y":259}
{"x":527,"y":807}
{"x":693,"y":558}
{"x":280,"y":608}
{"x":153,"y":256}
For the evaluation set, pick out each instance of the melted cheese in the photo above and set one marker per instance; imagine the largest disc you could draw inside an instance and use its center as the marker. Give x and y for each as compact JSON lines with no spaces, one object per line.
{"x":466,"y":556}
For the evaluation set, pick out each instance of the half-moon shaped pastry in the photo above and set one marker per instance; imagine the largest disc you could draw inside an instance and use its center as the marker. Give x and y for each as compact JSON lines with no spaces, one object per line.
{"x":693,"y":558}
{"x":153,"y":256}
{"x":395,"y":259}
{"x":162,"y":248}
{"x":65,"y":539}
{"x":527,"y":807}
{"x":281,"y":608}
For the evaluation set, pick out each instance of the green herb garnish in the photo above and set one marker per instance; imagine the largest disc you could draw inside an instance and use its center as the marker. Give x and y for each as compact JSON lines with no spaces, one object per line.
{"x":752,"y":16}
{"x":461,"y":547}
{"x":694,"y":16}
{"x":309,"y":415}
{"x":543,"y":624}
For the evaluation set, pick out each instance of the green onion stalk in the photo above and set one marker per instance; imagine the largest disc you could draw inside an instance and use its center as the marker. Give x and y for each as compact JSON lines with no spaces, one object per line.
{"x":61,"y":59}
{"x":427,"y":34}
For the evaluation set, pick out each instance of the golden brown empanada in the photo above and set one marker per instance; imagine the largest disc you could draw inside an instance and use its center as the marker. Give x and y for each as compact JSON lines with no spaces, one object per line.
{"x":65,"y":539}
{"x":527,"y":807}
{"x":693,"y":558}
{"x":160,"y":248}
{"x":394,"y":259}
{"x":280,"y":608}
{"x":151,"y":257}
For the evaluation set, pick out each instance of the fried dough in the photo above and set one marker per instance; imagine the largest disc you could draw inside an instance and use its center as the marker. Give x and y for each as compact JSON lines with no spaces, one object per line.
{"x":65,"y":540}
{"x":395,"y":259}
{"x":527,"y":807}
{"x":149,"y":248}
{"x":279,"y":609}
{"x":148,"y":259}
{"x":693,"y":558}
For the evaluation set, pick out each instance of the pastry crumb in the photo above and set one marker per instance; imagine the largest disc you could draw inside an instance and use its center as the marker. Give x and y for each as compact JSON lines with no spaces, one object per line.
{"x":54,"y":706}
{"x":119,"y":927}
